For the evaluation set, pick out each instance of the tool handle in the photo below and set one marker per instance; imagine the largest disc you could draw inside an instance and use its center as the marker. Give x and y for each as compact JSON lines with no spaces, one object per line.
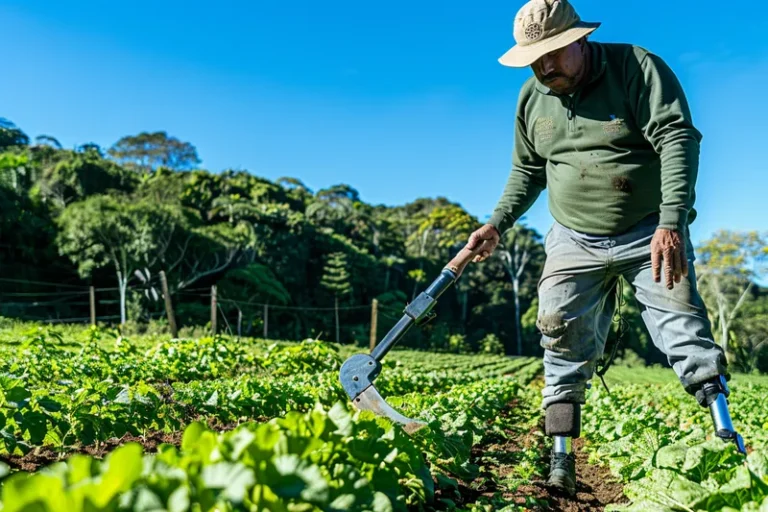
{"x":417,"y":311}
{"x":465,"y":255}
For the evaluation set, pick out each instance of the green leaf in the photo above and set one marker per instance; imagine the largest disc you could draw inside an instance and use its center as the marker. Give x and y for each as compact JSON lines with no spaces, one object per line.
{"x":238,"y":441}
{"x":31,"y":493}
{"x":667,"y":488}
{"x":80,"y":468}
{"x":213,"y":400}
{"x":124,"y":467}
{"x":49,"y":404}
{"x":343,"y":502}
{"x":342,"y":418}
{"x":234,"y":479}
{"x":672,"y":456}
{"x":291,"y":477}
{"x":758,"y":463}
{"x":36,"y":424}
{"x":702,"y":459}
{"x":192,"y":435}
{"x":179,"y":501}
{"x":382,"y":503}
{"x":17,"y":397}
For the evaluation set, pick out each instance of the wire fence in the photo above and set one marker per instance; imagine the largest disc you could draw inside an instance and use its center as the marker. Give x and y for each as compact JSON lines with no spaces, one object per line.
{"x":194,"y":308}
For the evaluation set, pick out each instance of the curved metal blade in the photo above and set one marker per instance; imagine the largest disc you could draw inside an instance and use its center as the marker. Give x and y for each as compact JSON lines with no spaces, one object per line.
{"x":371,"y":400}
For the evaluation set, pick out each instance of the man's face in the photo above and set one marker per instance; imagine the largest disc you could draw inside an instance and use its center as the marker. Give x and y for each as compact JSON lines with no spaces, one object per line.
{"x":562,"y":69}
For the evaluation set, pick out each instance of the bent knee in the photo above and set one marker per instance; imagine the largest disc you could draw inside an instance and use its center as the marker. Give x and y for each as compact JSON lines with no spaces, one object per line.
{"x":552,"y":325}
{"x":558,"y":336}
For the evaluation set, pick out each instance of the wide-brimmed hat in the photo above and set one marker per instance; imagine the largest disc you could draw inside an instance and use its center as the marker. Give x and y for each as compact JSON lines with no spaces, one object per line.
{"x":542,"y":26}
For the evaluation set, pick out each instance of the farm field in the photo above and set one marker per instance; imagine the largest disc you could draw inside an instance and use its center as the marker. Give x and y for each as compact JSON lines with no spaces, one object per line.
{"x":94,"y":421}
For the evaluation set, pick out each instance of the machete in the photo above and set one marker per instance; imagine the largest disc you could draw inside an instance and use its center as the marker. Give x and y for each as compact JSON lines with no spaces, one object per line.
{"x":360,"y":370}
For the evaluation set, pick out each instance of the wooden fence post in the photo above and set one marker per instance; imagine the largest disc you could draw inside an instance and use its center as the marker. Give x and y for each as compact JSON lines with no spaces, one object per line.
{"x":93,"y":306}
{"x":374,"y":321}
{"x":168,"y":305}
{"x":213,"y":309}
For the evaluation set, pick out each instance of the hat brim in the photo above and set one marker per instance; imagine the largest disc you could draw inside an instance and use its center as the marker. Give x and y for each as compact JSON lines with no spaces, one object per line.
{"x":520,"y":56}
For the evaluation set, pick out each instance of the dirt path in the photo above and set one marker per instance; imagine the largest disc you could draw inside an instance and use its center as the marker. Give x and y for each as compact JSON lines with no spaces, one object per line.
{"x":595,"y":486}
{"x":501,"y":460}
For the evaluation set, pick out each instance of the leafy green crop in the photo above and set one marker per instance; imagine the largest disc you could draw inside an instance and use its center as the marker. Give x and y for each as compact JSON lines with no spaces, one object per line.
{"x":661,"y":444}
{"x":267,"y":426}
{"x":291,"y":439}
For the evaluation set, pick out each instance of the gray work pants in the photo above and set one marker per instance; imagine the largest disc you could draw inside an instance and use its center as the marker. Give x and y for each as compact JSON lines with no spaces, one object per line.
{"x":577,"y":300}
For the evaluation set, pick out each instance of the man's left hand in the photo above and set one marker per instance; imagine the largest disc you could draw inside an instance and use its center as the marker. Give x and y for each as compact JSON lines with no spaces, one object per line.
{"x":669,"y":246}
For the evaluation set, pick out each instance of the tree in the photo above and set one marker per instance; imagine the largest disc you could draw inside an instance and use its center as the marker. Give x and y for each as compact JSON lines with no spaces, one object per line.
{"x":336,"y":280}
{"x":749,"y":334}
{"x":47,"y":140}
{"x":208,"y":250}
{"x":517,"y":247}
{"x":244,"y":288}
{"x":10,"y":135}
{"x":14,"y":170}
{"x":115,"y":231}
{"x":296,"y":190}
{"x":71,"y":176}
{"x":90,"y":148}
{"x":148,"y":151}
{"x":334,"y":207}
{"x":439,"y":235}
{"x":729,"y":264}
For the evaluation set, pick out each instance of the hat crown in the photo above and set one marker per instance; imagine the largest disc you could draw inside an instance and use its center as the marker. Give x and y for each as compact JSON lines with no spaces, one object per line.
{"x":539,"y":19}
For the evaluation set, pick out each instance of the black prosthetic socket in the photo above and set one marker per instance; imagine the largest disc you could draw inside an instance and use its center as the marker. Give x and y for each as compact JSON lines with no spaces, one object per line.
{"x":707,"y":393}
{"x":714,"y":394}
{"x":563,"y":419}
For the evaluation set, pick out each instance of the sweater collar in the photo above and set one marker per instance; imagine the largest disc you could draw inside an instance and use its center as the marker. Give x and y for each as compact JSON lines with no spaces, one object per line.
{"x":599,"y":60}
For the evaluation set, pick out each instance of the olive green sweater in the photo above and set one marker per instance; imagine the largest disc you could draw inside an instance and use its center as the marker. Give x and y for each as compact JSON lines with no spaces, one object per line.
{"x":619,"y":149}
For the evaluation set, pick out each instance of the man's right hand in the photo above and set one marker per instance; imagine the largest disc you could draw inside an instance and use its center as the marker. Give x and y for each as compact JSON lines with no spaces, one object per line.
{"x":486,"y":232}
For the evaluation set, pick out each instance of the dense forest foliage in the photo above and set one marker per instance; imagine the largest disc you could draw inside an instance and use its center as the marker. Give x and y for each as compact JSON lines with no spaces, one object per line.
{"x":114,"y":219}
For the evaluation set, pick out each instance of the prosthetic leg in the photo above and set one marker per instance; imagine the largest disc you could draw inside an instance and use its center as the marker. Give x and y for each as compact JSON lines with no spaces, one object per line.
{"x":563,"y":423}
{"x":714,"y":394}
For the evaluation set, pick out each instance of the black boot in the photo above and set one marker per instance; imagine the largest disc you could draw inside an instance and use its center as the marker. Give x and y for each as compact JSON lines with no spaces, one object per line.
{"x":562,"y":472}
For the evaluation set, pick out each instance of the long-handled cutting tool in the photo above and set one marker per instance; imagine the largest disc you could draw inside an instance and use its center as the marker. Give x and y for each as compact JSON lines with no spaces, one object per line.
{"x":359,"y":371}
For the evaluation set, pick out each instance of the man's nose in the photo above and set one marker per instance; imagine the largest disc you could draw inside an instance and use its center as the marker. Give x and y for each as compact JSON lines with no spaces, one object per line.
{"x":547,"y":64}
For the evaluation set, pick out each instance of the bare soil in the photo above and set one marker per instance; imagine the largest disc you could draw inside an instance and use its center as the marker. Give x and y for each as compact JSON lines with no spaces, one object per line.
{"x":45,"y":455}
{"x":595,"y":486}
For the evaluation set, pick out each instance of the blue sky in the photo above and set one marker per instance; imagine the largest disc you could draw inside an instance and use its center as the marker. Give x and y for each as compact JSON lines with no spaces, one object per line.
{"x":400,"y":99}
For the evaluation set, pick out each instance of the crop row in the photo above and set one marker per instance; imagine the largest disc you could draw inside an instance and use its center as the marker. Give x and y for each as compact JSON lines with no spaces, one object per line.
{"x":60,"y":393}
{"x":326,"y":458}
{"x":659,"y":442}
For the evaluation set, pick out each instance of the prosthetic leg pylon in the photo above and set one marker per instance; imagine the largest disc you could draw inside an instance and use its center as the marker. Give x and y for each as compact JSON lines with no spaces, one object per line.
{"x":714,"y":394}
{"x":563,"y":423}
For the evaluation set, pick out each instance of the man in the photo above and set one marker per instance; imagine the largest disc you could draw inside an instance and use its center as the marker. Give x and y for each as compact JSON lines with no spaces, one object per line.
{"x":606,"y":128}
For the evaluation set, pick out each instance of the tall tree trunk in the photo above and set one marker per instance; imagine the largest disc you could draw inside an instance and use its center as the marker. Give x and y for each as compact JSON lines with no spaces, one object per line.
{"x":416,"y":282}
{"x":122,"y":283}
{"x":464,"y":303}
{"x":518,"y":330}
{"x":336,"y":307}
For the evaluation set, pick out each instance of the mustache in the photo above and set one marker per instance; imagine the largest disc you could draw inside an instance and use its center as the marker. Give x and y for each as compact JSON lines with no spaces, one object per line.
{"x":552,"y":76}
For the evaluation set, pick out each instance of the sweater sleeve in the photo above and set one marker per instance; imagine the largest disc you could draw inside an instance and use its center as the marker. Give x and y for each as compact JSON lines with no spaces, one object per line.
{"x":661,"y":111}
{"x":526,"y":180}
